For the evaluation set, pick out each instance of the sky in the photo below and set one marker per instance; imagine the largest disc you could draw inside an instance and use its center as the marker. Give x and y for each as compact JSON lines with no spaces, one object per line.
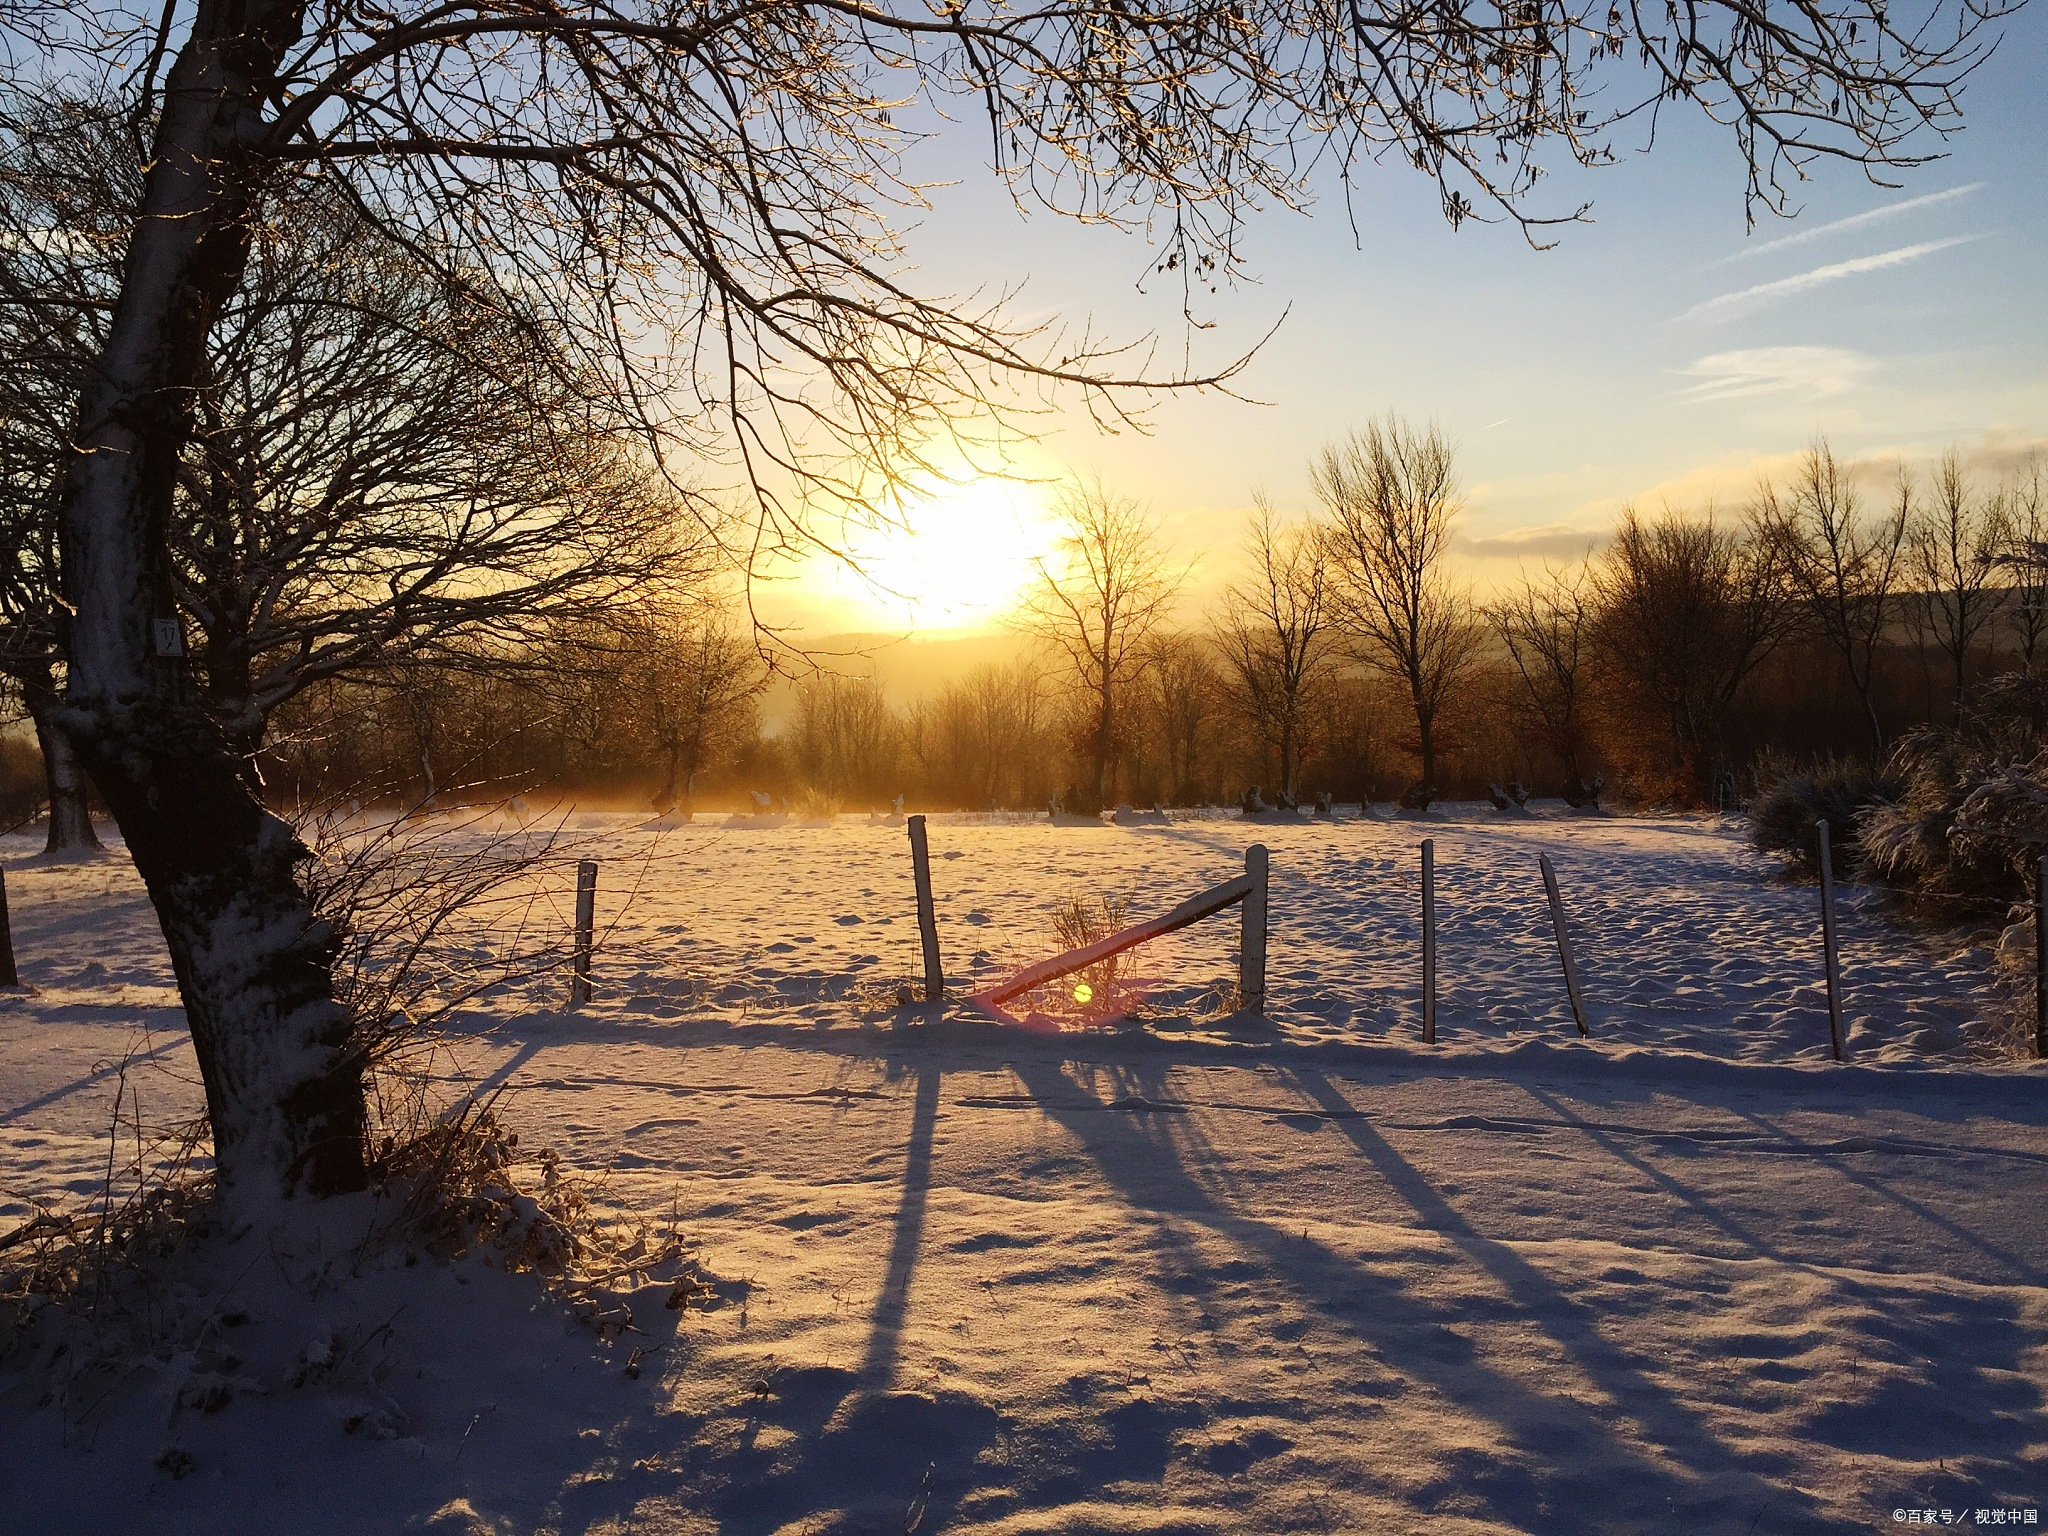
{"x":1663,"y":352}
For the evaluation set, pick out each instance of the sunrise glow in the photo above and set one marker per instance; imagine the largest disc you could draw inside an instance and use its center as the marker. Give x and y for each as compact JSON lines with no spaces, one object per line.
{"x":960,"y":558}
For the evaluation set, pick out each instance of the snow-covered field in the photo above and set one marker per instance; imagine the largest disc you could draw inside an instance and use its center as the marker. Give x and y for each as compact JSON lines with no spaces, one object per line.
{"x":1195,"y":1274}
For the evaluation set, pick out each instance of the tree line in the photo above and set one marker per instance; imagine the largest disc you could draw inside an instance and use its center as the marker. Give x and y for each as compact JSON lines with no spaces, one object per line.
{"x":1675,"y":664}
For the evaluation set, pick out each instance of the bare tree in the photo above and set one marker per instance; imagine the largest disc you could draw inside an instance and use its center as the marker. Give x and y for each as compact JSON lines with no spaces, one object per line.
{"x":1953,"y":547}
{"x":1182,"y":690}
{"x":1391,"y":495}
{"x":1546,"y":627}
{"x":980,"y":742}
{"x":382,"y":467}
{"x":30,"y":624}
{"x":1098,"y":605}
{"x":845,"y":737}
{"x":1685,"y":608}
{"x":1843,"y":565}
{"x":2025,"y":560}
{"x":700,"y":683}
{"x":50,"y":182}
{"x":639,"y":171}
{"x":384,"y":471}
{"x":1276,"y":637}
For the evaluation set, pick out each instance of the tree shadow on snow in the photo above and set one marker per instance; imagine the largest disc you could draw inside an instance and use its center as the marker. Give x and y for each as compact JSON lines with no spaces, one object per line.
{"x":2027,"y":1272}
{"x":1558,"y":1464}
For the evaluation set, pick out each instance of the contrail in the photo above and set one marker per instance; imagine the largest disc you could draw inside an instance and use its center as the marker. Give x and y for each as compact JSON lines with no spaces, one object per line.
{"x":1854,"y":221}
{"x":1800,"y":282}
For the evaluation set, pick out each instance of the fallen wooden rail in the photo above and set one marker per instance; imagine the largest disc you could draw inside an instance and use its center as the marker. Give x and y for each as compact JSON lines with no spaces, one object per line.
{"x":1249,"y":888}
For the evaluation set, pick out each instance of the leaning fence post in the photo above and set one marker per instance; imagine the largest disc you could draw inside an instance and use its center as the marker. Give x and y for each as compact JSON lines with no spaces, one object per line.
{"x":927,"y":919}
{"x":586,"y":931}
{"x":8,"y":978}
{"x":1429,"y":941}
{"x":1251,"y":953}
{"x":1564,"y":941}
{"x":2040,"y":955}
{"x":1827,"y":940}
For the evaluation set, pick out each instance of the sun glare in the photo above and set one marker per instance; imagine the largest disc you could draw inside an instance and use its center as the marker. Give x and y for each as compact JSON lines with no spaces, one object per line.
{"x":962,"y":558}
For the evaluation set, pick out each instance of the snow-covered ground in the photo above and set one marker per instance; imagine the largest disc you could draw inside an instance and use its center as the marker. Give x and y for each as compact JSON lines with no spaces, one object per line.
{"x":1195,"y":1274}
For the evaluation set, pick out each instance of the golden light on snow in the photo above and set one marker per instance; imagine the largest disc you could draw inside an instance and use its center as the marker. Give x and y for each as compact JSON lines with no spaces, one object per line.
{"x":960,"y":558}
{"x":1084,"y":993}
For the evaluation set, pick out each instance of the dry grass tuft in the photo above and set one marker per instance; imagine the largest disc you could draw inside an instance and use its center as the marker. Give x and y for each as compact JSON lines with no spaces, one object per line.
{"x":458,"y":1189}
{"x":1078,"y":920}
{"x":815,"y":805}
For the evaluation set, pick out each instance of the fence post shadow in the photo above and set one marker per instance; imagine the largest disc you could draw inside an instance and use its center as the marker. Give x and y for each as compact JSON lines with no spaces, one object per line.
{"x":892,"y":1300}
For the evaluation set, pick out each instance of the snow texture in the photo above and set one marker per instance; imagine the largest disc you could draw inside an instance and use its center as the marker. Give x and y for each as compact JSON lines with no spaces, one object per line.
{"x":1194,"y":1274}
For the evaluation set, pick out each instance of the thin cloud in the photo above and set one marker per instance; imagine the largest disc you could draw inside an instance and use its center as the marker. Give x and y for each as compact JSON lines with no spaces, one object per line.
{"x":1776,"y":370}
{"x":1801,"y":282}
{"x":1552,"y":541}
{"x":1854,"y":221}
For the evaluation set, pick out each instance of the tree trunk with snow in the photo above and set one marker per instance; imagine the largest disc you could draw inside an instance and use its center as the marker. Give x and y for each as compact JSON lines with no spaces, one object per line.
{"x":71,"y":829}
{"x":254,"y":962}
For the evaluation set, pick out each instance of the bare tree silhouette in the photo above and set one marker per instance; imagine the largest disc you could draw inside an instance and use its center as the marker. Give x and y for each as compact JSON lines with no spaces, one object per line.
{"x":1843,"y":565}
{"x":1685,"y":609}
{"x":1277,"y":639}
{"x":1098,"y":605}
{"x":1391,"y":493}
{"x":1546,"y":628}
{"x":1952,"y":548}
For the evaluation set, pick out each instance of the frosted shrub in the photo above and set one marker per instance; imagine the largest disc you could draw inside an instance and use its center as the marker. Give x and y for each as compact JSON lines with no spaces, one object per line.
{"x":1784,"y":818}
{"x":1969,"y":825}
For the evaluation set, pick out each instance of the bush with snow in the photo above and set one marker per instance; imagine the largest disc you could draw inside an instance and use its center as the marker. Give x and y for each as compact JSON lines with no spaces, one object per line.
{"x":1785,"y":817}
{"x":1970,"y":820}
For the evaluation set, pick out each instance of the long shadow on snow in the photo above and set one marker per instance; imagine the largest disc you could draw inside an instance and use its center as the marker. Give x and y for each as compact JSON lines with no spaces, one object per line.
{"x":1618,"y":1149}
{"x":96,"y":1075}
{"x":2020,"y":1269}
{"x":2027,"y":1273}
{"x":887,"y":1460}
{"x":1976,"y":1400}
{"x":892,"y":1301}
{"x":1570,"y":1461}
{"x":891,"y":1461}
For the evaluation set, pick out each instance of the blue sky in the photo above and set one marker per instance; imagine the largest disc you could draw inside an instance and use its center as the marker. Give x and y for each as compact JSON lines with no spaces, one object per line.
{"x":1661,"y":352}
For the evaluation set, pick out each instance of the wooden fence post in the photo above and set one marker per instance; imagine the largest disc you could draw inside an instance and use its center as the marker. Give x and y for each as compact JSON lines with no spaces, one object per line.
{"x":8,"y":978}
{"x":2040,"y":957}
{"x":927,"y":918}
{"x":1564,"y":941}
{"x":1429,"y":941}
{"x":1251,"y":953}
{"x":586,"y":931}
{"x":1827,"y":940}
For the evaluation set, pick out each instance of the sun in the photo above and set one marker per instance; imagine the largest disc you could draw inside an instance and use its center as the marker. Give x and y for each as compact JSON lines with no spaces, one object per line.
{"x":961,"y":558}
